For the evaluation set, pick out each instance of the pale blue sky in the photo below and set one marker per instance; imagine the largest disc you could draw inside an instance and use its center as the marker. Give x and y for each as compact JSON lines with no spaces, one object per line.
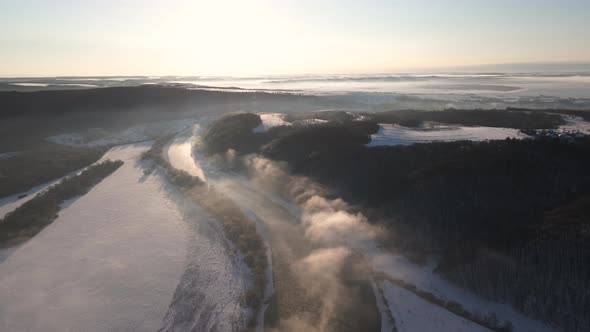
{"x":174,"y":37}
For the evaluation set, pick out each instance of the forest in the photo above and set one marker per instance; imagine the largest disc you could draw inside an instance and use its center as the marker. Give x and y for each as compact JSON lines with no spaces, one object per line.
{"x":507,"y":219}
{"x":509,"y":118}
{"x":28,"y":118}
{"x":42,"y":164}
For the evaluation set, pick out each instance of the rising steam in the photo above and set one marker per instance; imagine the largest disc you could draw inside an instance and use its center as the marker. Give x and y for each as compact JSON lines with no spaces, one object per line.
{"x":330,"y":225}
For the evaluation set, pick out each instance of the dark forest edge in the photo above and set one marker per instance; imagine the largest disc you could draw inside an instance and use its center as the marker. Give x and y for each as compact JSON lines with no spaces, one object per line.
{"x":42,"y":164}
{"x":32,"y":216}
{"x":505,"y":218}
{"x":239,"y":229}
{"x":28,"y":118}
{"x":510,"y":118}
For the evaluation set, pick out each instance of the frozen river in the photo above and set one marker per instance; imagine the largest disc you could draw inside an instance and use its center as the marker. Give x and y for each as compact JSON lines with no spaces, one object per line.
{"x":111,"y":261}
{"x":180,"y":151}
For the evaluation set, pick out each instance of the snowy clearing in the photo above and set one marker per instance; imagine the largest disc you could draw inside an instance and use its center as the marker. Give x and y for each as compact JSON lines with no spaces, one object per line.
{"x":575,"y":123}
{"x":424,"y":278}
{"x":41,"y":85}
{"x":310,"y":122}
{"x":392,"y":134}
{"x":415,"y":314}
{"x":270,"y":120}
{"x":110,"y":261}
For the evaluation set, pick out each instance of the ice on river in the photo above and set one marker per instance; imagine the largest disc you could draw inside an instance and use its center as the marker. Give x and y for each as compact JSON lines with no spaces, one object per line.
{"x":180,"y":155}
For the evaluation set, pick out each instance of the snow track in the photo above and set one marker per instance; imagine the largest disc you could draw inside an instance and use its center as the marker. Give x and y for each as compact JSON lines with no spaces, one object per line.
{"x":415,"y":314}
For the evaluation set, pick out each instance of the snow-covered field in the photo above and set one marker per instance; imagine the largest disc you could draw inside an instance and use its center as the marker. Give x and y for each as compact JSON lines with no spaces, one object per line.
{"x":100,"y":137}
{"x":111,"y":261}
{"x":575,"y":123}
{"x":392,"y":134}
{"x":415,"y":314}
{"x":424,"y":278}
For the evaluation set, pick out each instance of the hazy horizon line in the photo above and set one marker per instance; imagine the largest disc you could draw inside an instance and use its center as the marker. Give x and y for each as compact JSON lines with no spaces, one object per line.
{"x":468,"y":69}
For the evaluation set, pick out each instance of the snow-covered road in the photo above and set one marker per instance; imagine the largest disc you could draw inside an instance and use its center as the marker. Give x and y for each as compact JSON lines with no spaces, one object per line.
{"x":412,"y":314}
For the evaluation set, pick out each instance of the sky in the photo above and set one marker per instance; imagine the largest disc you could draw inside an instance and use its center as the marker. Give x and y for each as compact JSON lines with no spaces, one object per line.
{"x":264,"y":37}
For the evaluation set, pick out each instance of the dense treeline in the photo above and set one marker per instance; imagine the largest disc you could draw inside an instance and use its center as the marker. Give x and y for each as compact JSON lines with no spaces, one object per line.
{"x":584,"y":114}
{"x":332,"y":116}
{"x":481,"y":208}
{"x":512,"y":118}
{"x":306,"y":142}
{"x":233,"y":131}
{"x":492,"y":191}
{"x":115,"y":99}
{"x":238,"y":229}
{"x":32,"y":216}
{"x":34,"y":167}
{"x":548,"y":276}
{"x":508,"y":219}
